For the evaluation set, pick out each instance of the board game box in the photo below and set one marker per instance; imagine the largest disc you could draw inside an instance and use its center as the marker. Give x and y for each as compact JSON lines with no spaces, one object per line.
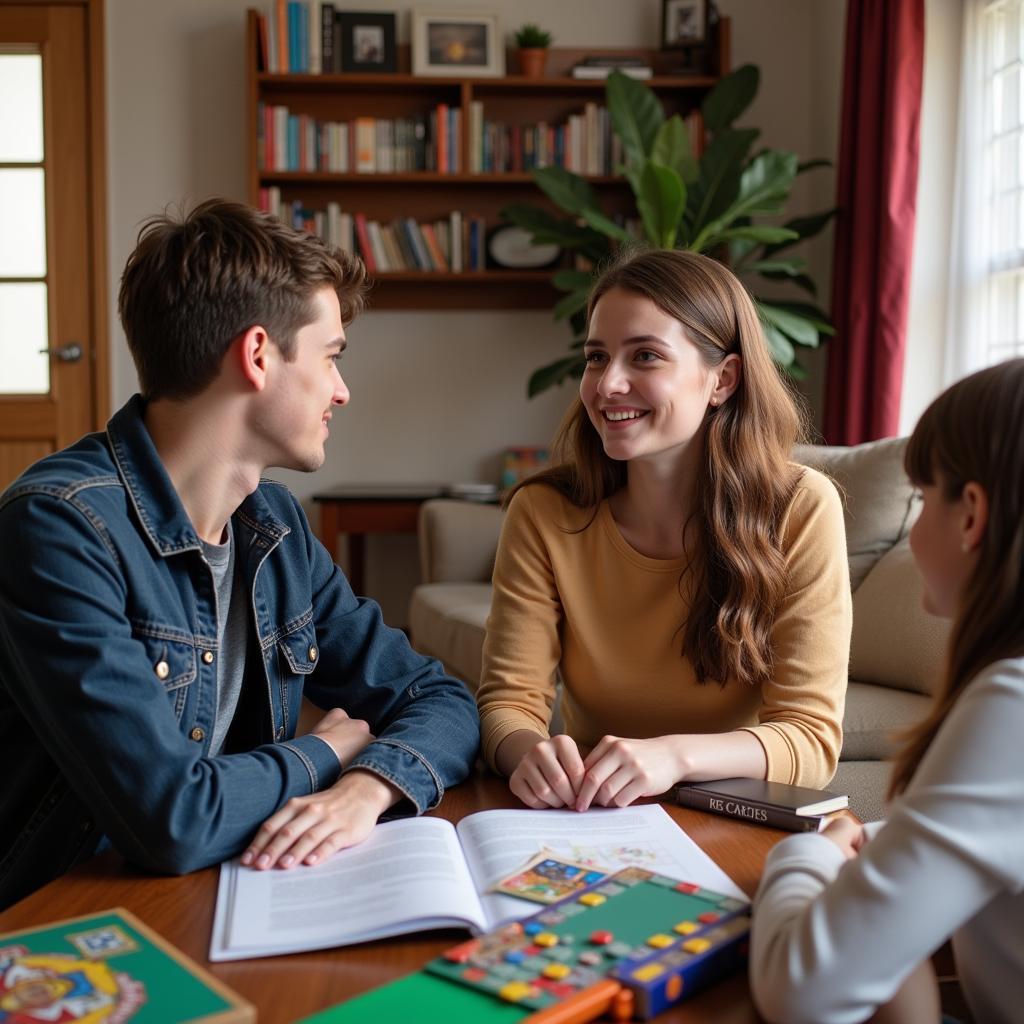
{"x":107,"y":968}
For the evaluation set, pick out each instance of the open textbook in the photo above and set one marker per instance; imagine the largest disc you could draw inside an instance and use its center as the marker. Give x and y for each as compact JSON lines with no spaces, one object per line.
{"x":421,"y":873}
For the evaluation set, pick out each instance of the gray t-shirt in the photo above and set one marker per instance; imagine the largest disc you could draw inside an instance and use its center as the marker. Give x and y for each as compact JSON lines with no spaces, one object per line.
{"x":232,"y":634}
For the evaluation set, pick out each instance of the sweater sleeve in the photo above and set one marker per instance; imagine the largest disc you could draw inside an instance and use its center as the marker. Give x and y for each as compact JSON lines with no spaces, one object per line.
{"x":522,"y":647}
{"x":801,"y":714}
{"x":834,"y":940}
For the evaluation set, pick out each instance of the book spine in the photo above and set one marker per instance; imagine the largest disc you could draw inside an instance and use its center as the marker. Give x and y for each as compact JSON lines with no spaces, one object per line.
{"x":743,"y":810}
{"x":327,"y":59}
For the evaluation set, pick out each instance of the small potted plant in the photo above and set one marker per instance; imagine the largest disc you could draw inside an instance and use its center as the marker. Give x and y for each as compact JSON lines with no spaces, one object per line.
{"x":533,"y":43}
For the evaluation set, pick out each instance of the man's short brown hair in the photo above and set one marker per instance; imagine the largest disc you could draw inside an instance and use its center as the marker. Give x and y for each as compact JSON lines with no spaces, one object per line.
{"x":196,"y":282}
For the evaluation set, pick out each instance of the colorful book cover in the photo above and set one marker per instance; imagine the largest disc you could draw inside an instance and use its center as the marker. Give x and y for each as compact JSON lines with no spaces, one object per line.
{"x":108,"y":968}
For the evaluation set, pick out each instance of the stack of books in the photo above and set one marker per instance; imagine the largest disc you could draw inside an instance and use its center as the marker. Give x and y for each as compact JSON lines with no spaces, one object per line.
{"x":598,"y":66}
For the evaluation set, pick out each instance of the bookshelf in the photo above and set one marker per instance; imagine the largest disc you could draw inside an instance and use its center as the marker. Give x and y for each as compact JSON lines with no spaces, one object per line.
{"x":431,"y":195}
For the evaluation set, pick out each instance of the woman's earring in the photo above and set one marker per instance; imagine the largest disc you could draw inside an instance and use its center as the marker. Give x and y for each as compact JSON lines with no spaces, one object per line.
{"x":965,"y":547}
{"x":714,"y":401}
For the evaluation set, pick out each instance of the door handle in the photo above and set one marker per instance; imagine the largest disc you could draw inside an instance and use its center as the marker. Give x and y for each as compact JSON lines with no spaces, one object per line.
{"x":69,"y":353}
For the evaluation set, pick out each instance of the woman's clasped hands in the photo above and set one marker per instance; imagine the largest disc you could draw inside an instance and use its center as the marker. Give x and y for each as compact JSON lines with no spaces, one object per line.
{"x":618,"y":771}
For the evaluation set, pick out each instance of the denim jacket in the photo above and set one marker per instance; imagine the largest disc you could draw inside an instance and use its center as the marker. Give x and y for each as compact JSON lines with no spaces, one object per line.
{"x":108,"y":671}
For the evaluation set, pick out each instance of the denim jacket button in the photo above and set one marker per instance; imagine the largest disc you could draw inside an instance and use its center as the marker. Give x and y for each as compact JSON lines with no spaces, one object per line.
{"x":312,"y":653}
{"x":162,"y":669}
{"x":197,"y":734}
{"x":279,"y":735}
{"x":207,"y":657}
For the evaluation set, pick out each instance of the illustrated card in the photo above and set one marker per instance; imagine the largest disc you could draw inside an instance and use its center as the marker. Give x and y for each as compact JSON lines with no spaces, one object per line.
{"x":547,"y":879}
{"x":107,"y":968}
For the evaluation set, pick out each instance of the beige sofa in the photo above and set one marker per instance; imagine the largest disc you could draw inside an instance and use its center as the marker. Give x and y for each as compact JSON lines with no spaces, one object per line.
{"x":897,"y":651}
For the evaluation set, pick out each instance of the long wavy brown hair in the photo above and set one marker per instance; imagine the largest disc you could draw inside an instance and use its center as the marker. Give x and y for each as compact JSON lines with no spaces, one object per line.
{"x":736,"y":573}
{"x":974,"y":432}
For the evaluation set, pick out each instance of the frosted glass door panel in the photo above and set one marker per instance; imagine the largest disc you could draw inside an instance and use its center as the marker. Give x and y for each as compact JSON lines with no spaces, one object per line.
{"x":21,"y":108}
{"x":24,"y":370}
{"x":23,"y":215}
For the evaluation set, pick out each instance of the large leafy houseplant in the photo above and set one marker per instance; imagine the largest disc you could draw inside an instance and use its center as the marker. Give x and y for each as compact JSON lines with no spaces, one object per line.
{"x":710,"y":205}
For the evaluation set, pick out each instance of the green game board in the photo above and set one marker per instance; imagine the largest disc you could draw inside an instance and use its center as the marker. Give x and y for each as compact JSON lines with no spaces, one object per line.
{"x":108,"y":968}
{"x":658,"y":938}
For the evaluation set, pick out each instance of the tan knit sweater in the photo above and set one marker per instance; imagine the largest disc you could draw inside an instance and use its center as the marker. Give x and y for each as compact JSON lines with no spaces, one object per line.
{"x":607,"y":618}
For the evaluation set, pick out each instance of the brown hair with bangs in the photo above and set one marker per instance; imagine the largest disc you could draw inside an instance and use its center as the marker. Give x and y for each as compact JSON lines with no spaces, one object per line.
{"x":195,"y":282}
{"x":736,"y":571}
{"x":974,"y":432}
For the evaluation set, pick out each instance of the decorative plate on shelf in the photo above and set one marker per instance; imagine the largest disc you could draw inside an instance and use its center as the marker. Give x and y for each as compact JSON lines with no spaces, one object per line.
{"x":511,"y":247}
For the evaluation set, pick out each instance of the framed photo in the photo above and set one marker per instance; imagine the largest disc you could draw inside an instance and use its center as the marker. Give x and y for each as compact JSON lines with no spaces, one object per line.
{"x":464,"y":43}
{"x":367,"y":41}
{"x":684,"y":23}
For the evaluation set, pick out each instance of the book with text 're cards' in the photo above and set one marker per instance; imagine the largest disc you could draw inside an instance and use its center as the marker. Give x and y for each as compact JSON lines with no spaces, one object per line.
{"x":775,"y":804}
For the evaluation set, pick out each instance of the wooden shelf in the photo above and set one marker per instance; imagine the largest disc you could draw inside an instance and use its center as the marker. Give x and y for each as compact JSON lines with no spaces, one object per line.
{"x":380,"y":179}
{"x":429,"y":196}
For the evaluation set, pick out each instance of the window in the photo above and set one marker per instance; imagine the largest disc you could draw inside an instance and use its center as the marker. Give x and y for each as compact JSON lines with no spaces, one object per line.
{"x":1003,"y":178}
{"x":986,"y":323}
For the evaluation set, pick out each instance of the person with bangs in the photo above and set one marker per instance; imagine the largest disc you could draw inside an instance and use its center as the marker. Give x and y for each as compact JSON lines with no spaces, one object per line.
{"x":680,"y":575}
{"x":847,"y":920}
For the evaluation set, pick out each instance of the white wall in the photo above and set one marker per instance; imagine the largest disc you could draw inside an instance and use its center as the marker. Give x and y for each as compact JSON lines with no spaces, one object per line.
{"x":435,"y":396}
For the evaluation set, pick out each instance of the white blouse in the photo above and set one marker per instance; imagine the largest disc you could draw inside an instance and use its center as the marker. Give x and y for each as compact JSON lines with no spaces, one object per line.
{"x":833,"y":939}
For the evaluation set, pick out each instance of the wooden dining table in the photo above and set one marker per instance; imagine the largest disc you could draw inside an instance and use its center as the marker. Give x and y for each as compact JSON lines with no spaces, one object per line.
{"x":287,"y":988}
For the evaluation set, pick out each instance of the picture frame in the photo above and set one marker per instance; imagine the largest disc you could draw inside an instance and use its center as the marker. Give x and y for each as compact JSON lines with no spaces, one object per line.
{"x":684,"y":24}
{"x":466,"y":44}
{"x":367,"y":41}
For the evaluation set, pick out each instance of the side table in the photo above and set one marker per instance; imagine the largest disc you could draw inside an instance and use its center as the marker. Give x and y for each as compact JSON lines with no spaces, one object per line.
{"x":358,"y":509}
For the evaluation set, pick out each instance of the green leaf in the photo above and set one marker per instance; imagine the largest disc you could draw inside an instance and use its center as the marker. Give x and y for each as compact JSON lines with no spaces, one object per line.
{"x":764,"y":187}
{"x":795,"y":370}
{"x":599,"y":222}
{"x":765,"y":184}
{"x":572,"y":303}
{"x":803,"y":281}
{"x":565,"y":189}
{"x":672,"y":149}
{"x":554,"y":373}
{"x":544,"y":227}
{"x":570,"y":280}
{"x":796,"y":327}
{"x":786,"y":268}
{"x":635,"y":113}
{"x":730,"y":97}
{"x":811,"y":313}
{"x":661,"y":202}
{"x":805,"y":227}
{"x":779,"y":345}
{"x":718,"y":183}
{"x":758,"y":233}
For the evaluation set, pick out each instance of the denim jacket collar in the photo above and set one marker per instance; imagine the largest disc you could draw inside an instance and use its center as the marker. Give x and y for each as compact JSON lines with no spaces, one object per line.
{"x":157,"y":504}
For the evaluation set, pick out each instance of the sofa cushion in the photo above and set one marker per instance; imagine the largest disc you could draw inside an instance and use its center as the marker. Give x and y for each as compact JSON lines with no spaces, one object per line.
{"x":895,"y":641}
{"x":873,"y":714}
{"x":458,"y":540}
{"x":878,"y":499}
{"x":447,"y":621}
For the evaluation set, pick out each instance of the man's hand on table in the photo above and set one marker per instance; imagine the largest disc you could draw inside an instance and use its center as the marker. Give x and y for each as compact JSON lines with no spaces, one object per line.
{"x":308,"y":829}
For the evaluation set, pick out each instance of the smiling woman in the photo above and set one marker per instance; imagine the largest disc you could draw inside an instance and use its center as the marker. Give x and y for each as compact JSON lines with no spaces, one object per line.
{"x":685,"y":579}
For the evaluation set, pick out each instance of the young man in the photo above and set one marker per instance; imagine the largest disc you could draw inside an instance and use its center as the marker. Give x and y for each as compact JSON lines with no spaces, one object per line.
{"x":163,"y":610}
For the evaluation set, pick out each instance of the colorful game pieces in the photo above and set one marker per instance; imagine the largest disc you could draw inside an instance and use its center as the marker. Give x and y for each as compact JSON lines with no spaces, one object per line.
{"x":649,"y":937}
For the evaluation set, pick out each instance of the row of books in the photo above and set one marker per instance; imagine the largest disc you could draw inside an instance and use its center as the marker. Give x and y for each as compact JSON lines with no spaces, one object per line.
{"x":300,"y":37}
{"x":584,"y":143}
{"x":450,"y":245}
{"x":365,"y":145}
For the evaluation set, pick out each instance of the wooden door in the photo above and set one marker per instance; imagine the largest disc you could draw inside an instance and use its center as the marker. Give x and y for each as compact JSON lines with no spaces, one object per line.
{"x":53,"y":351}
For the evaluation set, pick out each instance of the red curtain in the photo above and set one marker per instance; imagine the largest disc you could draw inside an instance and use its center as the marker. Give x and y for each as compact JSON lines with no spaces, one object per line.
{"x":877,"y":196}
